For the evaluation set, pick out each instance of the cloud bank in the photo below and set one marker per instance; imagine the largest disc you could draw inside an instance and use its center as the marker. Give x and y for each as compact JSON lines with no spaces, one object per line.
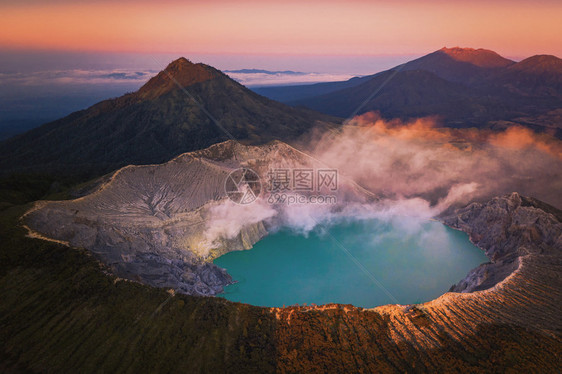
{"x":76,"y":76}
{"x":267,"y":78}
{"x":443,"y":166}
{"x":416,"y":171}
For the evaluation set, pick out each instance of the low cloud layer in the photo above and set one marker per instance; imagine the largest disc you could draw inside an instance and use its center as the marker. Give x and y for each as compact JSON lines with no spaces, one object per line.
{"x":76,"y":76}
{"x":266,"y":78}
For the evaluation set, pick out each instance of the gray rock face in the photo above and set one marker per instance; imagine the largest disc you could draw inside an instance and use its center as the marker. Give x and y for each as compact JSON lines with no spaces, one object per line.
{"x":152,"y":223}
{"x":508,"y":228}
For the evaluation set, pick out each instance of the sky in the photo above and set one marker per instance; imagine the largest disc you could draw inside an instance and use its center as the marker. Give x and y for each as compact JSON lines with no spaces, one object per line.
{"x":510,"y":27}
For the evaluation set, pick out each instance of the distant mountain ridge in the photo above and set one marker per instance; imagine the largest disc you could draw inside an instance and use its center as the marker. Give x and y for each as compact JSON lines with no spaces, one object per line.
{"x":461,"y":87}
{"x":288,"y":94}
{"x":539,"y":64}
{"x":538,"y":76}
{"x":464,"y":87}
{"x":468,"y":60}
{"x":464,"y":65}
{"x":156,"y":123}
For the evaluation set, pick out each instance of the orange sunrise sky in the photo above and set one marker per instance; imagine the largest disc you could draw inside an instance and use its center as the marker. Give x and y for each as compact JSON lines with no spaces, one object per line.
{"x":512,"y":28}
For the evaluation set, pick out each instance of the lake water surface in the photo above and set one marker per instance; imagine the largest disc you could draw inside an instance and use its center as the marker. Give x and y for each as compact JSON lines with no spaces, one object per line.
{"x":415,"y":261}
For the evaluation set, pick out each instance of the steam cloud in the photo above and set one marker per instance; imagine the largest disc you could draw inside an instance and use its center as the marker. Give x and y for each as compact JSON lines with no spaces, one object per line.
{"x":416,"y":169}
{"x":443,"y":166}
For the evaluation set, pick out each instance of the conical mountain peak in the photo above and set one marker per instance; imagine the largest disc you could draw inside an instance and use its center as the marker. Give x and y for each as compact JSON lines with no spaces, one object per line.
{"x":540,"y":64}
{"x":156,"y":123}
{"x":179,"y":63}
{"x":180,"y":72}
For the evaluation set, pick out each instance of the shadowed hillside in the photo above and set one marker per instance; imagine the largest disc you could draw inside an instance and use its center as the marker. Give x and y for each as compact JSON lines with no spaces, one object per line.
{"x":463,"y":87}
{"x":154,"y":124}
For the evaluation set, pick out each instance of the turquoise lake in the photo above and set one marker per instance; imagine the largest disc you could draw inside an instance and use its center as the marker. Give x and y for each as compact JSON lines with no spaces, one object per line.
{"x":414,"y":261}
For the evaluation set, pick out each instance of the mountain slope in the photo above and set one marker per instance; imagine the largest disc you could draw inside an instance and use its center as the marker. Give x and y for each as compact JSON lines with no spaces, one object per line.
{"x":286,"y":94}
{"x":539,"y":64}
{"x":463,"y":87}
{"x":455,"y":64}
{"x":539,"y":76}
{"x":406,"y":94}
{"x":154,"y":124}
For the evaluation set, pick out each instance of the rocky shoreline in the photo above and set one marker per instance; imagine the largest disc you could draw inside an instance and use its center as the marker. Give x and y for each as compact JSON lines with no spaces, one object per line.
{"x":510,"y":305}
{"x":150,"y":223}
{"x":513,"y":325}
{"x":506,"y":228}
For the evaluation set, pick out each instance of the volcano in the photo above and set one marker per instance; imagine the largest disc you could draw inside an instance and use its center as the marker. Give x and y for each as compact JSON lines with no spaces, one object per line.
{"x":185,"y":107}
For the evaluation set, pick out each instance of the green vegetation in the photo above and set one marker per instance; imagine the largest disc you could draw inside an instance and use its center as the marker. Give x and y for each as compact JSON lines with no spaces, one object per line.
{"x":17,"y":189}
{"x":60,"y":312}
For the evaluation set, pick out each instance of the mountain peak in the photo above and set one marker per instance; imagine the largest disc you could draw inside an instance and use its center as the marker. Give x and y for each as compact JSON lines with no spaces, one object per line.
{"x":480,"y":57}
{"x":461,"y":65}
{"x":180,"y":72}
{"x":156,"y":123}
{"x":182,"y":61}
{"x":540,"y":64}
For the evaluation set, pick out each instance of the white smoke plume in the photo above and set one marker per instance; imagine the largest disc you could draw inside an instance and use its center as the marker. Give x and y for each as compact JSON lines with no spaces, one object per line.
{"x":444,"y":166}
{"x":226,"y":220}
{"x":416,"y":170}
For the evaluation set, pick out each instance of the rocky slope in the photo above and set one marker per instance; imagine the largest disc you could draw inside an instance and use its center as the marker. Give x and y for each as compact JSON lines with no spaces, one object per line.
{"x":511,"y":319}
{"x":463,"y":87}
{"x":162,"y":224}
{"x":156,"y":223}
{"x":507,"y":228}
